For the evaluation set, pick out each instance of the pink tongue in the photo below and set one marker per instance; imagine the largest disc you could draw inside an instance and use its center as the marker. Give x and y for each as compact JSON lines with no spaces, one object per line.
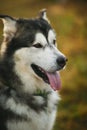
{"x":54,"y":79}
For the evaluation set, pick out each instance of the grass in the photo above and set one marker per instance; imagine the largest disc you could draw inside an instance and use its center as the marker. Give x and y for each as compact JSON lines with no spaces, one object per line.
{"x":70,"y":23}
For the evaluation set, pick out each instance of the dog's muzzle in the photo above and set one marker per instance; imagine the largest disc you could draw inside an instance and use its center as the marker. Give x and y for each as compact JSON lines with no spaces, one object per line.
{"x":52,"y":78}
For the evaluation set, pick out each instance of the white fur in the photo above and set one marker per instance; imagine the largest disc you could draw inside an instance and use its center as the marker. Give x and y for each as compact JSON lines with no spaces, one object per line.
{"x":9,"y":27}
{"x":40,"y":38}
{"x":43,"y":120}
{"x":8,"y":32}
{"x":44,"y":57}
{"x":44,"y":15}
{"x":51,"y":36}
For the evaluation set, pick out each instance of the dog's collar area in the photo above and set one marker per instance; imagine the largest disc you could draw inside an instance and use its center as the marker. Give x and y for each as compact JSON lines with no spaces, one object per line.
{"x":43,"y":93}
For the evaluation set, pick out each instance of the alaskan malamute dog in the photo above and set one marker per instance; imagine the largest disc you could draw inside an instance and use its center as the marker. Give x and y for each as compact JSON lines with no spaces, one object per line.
{"x":29,"y":62}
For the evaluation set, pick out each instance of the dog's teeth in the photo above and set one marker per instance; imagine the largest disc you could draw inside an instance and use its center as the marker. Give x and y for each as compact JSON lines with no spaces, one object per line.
{"x":41,"y":70}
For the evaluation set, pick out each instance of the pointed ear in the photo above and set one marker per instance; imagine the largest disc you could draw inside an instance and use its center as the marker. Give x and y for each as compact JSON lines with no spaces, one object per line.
{"x":9,"y":26}
{"x":43,"y":15}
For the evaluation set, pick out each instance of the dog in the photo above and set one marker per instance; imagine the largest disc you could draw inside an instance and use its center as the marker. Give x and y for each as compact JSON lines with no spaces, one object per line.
{"x":29,"y":74}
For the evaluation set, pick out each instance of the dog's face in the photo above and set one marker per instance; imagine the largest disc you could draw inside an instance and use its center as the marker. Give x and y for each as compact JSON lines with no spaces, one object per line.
{"x":32,"y":44}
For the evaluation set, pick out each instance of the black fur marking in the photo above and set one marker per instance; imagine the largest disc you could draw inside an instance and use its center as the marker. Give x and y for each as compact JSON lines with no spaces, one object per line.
{"x":22,"y":98}
{"x":30,"y":100}
{"x":6,"y":16}
{"x":25,"y":34}
{"x":2,"y":119}
{"x":7,"y":74}
{"x":7,"y":115}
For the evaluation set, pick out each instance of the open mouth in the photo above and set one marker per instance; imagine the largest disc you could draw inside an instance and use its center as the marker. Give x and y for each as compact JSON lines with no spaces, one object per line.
{"x":51,"y":78}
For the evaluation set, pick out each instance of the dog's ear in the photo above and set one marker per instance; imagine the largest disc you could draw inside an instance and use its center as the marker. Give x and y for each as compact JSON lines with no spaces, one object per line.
{"x":43,"y":15}
{"x":9,"y":26}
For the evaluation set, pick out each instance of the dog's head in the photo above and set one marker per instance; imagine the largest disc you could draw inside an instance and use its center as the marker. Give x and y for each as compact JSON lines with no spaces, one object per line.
{"x":32,"y":44}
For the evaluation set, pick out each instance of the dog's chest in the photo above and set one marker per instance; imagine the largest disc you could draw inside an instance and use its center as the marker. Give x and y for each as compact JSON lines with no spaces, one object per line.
{"x":43,"y":121}
{"x":38,"y":120}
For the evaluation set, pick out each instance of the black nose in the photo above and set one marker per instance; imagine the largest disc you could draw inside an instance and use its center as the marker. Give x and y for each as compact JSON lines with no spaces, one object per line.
{"x":61,"y":61}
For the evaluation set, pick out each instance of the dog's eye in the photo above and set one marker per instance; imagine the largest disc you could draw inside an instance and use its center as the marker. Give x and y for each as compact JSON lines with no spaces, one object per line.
{"x":54,"y":41}
{"x":38,"y":45}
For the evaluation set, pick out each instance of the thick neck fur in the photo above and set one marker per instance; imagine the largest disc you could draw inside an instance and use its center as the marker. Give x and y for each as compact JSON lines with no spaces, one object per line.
{"x":7,"y":76}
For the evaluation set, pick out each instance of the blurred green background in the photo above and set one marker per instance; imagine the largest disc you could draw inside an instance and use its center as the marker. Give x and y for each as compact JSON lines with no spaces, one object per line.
{"x":69,"y":18}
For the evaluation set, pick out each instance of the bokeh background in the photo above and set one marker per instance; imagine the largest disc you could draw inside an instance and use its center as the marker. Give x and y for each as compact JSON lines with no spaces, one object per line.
{"x":69,"y":18}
